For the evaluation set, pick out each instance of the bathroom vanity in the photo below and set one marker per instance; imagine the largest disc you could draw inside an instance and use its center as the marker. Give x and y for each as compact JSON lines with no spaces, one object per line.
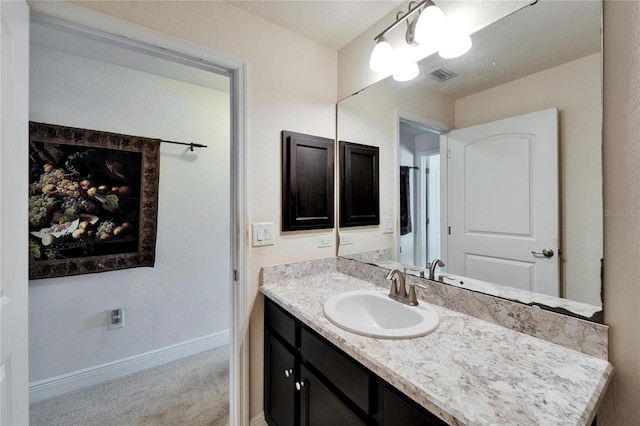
{"x":310,"y":381}
{"x":466,"y":372}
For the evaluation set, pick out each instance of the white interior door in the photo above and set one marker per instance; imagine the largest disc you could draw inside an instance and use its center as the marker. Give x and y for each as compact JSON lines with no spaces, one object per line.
{"x":503,"y":202}
{"x":14,"y":116}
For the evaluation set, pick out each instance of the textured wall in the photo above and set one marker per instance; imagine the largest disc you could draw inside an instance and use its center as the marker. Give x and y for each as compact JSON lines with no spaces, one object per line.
{"x":622,"y":193}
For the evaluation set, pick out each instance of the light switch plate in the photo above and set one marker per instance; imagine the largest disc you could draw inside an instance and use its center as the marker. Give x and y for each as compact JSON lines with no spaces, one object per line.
{"x":262,"y":234}
{"x":387,"y":225}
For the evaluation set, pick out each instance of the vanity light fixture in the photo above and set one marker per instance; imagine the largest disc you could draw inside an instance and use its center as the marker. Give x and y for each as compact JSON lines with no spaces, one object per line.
{"x":456,"y":43}
{"x":382,"y":57}
{"x":430,"y":26}
{"x":405,"y":70}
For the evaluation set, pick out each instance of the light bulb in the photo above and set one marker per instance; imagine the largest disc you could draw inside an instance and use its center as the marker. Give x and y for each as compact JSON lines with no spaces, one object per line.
{"x":455,"y":46}
{"x":382,"y":57}
{"x":430,"y":26}
{"x":405,"y":71}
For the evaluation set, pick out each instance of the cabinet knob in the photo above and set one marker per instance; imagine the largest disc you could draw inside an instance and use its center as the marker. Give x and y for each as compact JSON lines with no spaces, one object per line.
{"x":299,"y":385}
{"x":288,"y":372}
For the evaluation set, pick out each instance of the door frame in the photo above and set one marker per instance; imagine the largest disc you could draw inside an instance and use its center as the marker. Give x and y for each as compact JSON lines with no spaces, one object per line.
{"x":161,"y":45}
{"x":422,"y":198}
{"x":438,"y":128}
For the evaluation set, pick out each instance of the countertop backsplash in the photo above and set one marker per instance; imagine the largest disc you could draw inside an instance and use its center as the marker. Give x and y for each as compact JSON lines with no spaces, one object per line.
{"x":574,"y":333}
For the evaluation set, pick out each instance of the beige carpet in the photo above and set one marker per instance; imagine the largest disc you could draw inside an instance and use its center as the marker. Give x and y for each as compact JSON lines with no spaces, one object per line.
{"x":191,"y":391}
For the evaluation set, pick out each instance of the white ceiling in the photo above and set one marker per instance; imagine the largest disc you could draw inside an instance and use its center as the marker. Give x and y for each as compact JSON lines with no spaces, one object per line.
{"x":536,"y":38}
{"x":51,"y":36}
{"x":333,"y":23}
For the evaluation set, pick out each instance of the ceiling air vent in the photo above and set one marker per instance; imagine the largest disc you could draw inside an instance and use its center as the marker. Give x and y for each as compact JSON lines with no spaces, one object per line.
{"x":442,"y":74}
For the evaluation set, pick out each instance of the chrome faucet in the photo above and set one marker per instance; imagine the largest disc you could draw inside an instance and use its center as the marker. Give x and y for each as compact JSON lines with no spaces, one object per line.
{"x":398,"y":290}
{"x":432,"y":268}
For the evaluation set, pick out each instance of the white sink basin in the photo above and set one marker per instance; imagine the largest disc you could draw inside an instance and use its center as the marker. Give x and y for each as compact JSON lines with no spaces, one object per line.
{"x":372,"y":313}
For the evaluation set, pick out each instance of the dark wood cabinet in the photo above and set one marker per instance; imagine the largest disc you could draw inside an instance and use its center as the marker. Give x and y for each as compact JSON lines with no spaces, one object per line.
{"x":398,"y":410}
{"x":307,"y":182}
{"x":279,"y":383}
{"x":319,"y":406}
{"x":311,"y":382}
{"x":359,"y":185}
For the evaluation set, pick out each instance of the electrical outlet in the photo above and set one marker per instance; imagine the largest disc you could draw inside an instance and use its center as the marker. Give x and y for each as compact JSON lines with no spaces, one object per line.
{"x":387,"y":225}
{"x":325,"y":240}
{"x":346,"y":239}
{"x":116,"y":318}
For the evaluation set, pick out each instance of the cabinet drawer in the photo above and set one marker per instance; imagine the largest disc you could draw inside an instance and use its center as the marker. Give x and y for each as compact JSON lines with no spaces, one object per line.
{"x":279,"y":322}
{"x":345,"y":374}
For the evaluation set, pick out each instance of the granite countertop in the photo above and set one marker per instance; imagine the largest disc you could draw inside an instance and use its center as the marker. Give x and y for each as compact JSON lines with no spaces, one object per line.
{"x":468,"y":371}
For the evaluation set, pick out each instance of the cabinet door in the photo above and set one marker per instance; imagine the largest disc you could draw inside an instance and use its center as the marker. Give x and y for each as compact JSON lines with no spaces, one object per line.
{"x":359,"y":185}
{"x":279,"y":383}
{"x":399,"y":410}
{"x":319,"y":406}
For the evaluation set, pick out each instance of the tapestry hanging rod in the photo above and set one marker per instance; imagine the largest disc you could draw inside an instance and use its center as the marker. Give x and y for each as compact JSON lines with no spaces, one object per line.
{"x":190,"y":145}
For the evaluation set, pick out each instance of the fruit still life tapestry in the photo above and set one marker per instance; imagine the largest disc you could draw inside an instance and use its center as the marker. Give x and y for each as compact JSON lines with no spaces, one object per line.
{"x":93,"y":200}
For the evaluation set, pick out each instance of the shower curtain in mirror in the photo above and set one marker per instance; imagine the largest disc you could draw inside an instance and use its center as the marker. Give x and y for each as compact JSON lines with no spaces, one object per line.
{"x":405,"y":200}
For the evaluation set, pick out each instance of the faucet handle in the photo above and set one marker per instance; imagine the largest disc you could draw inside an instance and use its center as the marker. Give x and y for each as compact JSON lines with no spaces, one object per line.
{"x":442,"y":277}
{"x":420,"y":271}
{"x":413,"y":297}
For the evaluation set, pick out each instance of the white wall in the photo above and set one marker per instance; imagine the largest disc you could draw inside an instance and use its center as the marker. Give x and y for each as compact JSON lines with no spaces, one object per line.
{"x":575,"y":89}
{"x":622,"y":192}
{"x":186,"y":294}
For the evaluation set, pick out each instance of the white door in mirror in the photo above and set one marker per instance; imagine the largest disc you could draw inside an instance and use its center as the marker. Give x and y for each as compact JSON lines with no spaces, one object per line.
{"x":503,"y":202}
{"x":372,"y":313}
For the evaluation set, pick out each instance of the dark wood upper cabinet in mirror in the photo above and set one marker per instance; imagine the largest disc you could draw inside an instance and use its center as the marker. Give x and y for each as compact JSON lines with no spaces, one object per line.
{"x":307,"y":182}
{"x":359,"y":186}
{"x":547,"y":55}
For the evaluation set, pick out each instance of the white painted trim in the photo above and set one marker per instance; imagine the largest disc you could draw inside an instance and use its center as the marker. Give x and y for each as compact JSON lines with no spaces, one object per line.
{"x":258,"y":420}
{"x":239,"y":368}
{"x":155,"y":43}
{"x":79,"y":379}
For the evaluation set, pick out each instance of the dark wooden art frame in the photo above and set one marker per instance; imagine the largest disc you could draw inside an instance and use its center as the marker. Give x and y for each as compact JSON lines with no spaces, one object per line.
{"x":307,"y":182}
{"x":359,"y":184}
{"x":93,"y":203}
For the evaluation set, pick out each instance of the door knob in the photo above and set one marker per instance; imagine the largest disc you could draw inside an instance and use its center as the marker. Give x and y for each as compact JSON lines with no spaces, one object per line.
{"x":288,"y":372}
{"x":544,"y":252}
{"x":300,"y":385}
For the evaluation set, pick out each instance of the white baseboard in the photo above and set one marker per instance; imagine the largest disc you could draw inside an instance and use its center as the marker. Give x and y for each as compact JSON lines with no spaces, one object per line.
{"x":54,"y":386}
{"x":258,"y":420}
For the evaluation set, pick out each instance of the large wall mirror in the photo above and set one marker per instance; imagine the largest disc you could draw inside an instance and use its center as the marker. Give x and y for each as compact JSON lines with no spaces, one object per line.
{"x":500,"y":152}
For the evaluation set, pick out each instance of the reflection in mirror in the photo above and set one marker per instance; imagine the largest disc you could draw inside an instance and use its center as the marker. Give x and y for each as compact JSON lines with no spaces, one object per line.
{"x":544,"y":60}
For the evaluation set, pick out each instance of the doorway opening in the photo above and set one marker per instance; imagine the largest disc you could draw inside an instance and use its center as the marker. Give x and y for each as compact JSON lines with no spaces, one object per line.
{"x":420,"y":151}
{"x":169,"y":55}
